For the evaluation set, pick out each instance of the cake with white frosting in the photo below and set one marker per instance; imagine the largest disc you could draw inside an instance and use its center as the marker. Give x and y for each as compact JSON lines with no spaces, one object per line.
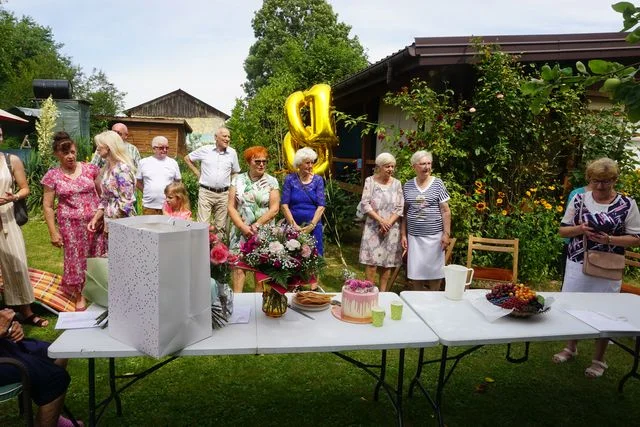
{"x":358,"y":297}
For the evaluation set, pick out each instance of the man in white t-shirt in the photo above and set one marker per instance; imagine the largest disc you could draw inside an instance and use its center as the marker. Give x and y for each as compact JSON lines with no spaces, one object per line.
{"x":154,"y":174}
{"x":218,"y":164}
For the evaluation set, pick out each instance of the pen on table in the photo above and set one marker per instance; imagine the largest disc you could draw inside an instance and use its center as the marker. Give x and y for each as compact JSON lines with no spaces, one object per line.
{"x":100,"y":318}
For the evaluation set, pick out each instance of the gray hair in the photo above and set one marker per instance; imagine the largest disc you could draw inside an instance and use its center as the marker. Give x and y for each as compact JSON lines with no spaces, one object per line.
{"x":158,"y":140}
{"x":385,"y":159}
{"x":303,"y":154}
{"x":419,"y":155}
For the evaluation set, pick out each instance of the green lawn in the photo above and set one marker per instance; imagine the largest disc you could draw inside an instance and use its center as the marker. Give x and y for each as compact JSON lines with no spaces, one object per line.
{"x":323,"y":390}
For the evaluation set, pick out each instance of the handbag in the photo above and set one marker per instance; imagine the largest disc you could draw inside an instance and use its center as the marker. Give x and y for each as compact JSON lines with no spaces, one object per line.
{"x":19,"y":206}
{"x":361,"y":216}
{"x":605,"y":265}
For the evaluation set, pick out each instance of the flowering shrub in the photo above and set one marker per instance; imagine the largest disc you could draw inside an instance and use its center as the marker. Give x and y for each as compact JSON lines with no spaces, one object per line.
{"x":222,"y":260}
{"x":289,"y":257}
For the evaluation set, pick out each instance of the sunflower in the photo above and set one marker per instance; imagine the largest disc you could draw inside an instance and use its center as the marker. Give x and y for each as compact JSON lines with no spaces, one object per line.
{"x":559,"y":208}
{"x":503,"y":212}
{"x":498,"y":201}
{"x":481,"y":206}
{"x":478,"y":184}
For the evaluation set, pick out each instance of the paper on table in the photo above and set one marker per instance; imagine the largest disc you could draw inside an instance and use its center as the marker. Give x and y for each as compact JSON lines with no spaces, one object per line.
{"x":77,"y":320}
{"x":490,"y":311}
{"x":241,"y":314}
{"x":603,"y":322}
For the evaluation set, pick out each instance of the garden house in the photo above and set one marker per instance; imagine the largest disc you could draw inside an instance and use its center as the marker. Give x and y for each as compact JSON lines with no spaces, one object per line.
{"x":202,"y":119}
{"x":449,"y":60}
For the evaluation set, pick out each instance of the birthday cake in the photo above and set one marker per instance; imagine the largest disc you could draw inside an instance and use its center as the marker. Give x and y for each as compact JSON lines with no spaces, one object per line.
{"x":358,"y":296}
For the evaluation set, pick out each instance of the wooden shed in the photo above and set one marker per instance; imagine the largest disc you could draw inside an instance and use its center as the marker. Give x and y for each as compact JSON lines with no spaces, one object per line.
{"x":142,"y":130}
{"x":201,"y":117}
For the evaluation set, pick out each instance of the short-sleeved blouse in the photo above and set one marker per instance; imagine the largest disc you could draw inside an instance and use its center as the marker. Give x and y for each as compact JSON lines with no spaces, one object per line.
{"x":623,"y":210}
{"x":423,"y":215}
{"x":77,"y":197}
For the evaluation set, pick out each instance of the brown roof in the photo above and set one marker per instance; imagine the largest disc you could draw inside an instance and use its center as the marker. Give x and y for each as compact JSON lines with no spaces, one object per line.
{"x":450,"y":51}
{"x":162,"y":120}
{"x":178,"y":92}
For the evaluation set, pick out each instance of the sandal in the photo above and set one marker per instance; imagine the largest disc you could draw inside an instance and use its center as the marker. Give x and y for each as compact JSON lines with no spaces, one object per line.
{"x":34,"y":320}
{"x":565,"y":355}
{"x":596,"y":369}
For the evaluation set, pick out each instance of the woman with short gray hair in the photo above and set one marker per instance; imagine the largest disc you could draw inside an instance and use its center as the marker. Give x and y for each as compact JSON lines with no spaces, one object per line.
{"x":303,"y":198}
{"x":383,"y":204}
{"x":427,"y":227}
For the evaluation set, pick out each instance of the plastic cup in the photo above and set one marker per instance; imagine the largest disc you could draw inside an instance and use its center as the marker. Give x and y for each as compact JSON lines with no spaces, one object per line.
{"x":396,"y":310}
{"x":378,"y":316}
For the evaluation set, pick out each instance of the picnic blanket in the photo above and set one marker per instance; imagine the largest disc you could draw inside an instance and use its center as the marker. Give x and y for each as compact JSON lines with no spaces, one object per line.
{"x":47,"y":291}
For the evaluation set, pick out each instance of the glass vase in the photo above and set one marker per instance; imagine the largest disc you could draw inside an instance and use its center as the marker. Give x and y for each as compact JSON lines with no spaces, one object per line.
{"x":274,"y":304}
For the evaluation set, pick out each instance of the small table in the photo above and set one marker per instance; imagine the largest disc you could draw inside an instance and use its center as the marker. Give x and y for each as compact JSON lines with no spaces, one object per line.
{"x":294,"y":333}
{"x":458,"y":323}
{"x":96,"y":343}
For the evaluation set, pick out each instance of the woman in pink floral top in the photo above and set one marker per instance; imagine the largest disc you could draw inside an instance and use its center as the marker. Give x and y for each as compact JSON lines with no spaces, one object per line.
{"x":73,"y":183}
{"x":117,"y":180}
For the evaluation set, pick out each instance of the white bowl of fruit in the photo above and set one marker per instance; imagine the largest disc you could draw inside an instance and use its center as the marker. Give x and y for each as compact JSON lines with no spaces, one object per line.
{"x":524,"y":301}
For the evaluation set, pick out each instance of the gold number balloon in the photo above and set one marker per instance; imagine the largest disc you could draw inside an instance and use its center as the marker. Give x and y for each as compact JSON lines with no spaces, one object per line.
{"x":319,"y":135}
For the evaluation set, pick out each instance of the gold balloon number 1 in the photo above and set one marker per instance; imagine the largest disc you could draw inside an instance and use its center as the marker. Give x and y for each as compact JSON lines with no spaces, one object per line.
{"x":319,"y":135}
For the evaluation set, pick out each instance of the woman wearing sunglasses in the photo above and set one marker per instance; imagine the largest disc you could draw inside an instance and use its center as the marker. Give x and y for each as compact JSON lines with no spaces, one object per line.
{"x":254,"y":200}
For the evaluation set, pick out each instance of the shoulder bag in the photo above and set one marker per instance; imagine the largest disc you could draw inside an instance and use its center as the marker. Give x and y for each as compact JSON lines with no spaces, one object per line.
{"x":606,"y":265}
{"x":19,"y":206}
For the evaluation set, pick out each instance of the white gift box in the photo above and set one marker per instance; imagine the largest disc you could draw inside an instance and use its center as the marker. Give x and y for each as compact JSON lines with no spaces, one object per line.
{"x":159,"y":283}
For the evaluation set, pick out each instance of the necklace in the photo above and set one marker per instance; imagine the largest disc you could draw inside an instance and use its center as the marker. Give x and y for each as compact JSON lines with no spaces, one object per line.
{"x":252,"y":178}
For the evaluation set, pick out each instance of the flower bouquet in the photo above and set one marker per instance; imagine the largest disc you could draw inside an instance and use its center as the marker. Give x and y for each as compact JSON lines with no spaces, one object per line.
{"x":286,"y":258}
{"x":523,"y":300}
{"x":221,"y":262}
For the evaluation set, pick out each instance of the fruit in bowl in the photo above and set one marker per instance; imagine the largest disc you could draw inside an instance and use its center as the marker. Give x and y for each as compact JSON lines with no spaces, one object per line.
{"x":523,"y":300}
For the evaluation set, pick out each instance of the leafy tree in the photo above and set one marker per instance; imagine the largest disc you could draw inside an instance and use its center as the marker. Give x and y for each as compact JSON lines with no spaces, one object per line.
{"x":105,"y":98}
{"x":28,"y":51}
{"x":299,"y":43}
{"x":302,"y":37}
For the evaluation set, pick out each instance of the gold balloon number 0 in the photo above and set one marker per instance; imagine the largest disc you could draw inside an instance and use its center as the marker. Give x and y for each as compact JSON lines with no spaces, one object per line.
{"x":319,"y":135}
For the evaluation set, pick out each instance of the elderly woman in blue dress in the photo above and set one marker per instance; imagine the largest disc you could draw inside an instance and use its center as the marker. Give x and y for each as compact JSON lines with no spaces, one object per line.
{"x":623,"y":231}
{"x":427,"y":226}
{"x":303,"y":200}
{"x":383,"y":203}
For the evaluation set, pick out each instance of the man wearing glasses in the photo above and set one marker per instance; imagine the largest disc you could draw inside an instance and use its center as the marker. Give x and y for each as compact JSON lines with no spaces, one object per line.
{"x":154,"y":174}
{"x":120,"y":129}
{"x":218,"y":164}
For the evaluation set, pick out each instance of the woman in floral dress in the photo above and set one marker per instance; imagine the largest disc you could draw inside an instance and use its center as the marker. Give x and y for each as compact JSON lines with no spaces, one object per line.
{"x":254,"y":199}
{"x":118,"y":183}
{"x":383,"y":203}
{"x":74,"y":184}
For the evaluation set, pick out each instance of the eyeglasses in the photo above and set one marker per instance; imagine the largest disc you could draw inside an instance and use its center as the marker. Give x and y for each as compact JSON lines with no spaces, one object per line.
{"x":260,"y":162}
{"x":601,"y":181}
{"x":162,"y":147}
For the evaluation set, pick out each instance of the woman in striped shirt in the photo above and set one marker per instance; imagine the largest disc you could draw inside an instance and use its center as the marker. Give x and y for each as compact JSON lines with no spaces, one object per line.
{"x":427,"y":226}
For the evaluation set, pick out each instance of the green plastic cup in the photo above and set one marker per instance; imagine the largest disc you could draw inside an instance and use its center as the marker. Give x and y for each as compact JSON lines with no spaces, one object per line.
{"x":378,"y":314}
{"x":396,"y":310}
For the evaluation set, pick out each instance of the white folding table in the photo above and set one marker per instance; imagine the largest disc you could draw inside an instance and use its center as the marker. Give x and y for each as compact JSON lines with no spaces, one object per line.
{"x":458,"y":323}
{"x":291,"y":333}
{"x":294,"y":333}
{"x":96,"y":343}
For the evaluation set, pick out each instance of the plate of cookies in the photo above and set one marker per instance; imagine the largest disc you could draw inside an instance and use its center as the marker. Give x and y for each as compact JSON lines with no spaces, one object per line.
{"x":311,"y":301}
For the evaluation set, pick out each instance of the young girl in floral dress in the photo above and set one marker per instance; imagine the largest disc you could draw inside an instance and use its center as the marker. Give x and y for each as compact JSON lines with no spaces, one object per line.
{"x":177,"y":201}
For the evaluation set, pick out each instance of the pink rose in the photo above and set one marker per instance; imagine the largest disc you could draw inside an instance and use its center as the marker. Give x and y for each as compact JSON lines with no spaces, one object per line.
{"x":306,"y":251}
{"x":219,"y":254}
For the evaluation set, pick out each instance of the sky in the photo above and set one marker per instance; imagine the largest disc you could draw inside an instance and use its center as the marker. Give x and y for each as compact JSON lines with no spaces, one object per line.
{"x":149,"y":48}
